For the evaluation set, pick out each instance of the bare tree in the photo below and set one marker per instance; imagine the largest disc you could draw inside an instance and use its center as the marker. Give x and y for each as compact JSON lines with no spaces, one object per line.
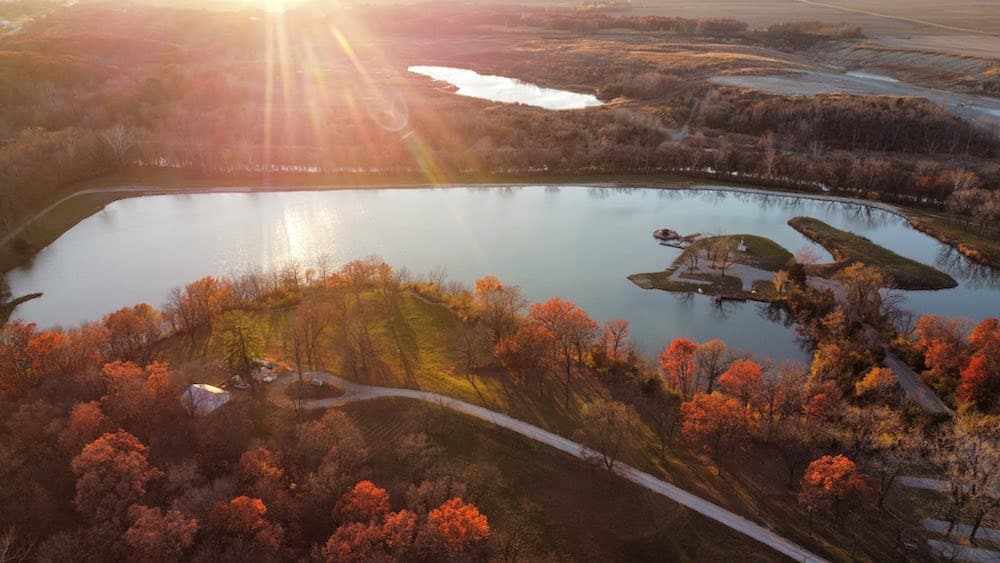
{"x":969,"y":457}
{"x":608,"y":432}
{"x":962,"y":180}
{"x":120,"y":140}
{"x":9,"y":550}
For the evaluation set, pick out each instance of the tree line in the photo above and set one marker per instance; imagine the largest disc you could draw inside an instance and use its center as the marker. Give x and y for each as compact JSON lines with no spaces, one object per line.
{"x":146,"y":474}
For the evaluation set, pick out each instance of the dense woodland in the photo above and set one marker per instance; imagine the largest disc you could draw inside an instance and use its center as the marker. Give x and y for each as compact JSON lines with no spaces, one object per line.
{"x":80,"y":102}
{"x":102,"y":460}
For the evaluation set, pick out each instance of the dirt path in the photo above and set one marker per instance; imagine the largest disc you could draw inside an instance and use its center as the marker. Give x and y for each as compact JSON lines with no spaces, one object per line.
{"x":354,"y":392}
{"x":915,"y":389}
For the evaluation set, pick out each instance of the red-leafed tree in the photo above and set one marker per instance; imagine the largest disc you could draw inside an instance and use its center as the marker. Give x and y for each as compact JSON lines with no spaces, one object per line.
{"x":943,"y":343}
{"x":678,"y":363}
{"x":112,"y":473}
{"x":366,"y":502}
{"x":459,"y":526}
{"x":716,"y":423}
{"x":744,"y":380}
{"x":832,"y":482}
{"x":980,"y":379}
{"x":242,"y":520}
{"x":572,"y":329}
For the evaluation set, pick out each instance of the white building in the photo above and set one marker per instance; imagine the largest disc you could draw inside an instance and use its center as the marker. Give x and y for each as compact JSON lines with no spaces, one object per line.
{"x":201,"y":398}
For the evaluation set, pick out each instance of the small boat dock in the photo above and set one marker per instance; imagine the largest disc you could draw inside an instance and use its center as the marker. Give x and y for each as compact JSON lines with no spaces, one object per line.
{"x":669,"y":237}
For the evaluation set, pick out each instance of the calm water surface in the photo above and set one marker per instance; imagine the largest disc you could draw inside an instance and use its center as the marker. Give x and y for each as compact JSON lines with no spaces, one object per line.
{"x":508,"y":90}
{"x":575,"y":242}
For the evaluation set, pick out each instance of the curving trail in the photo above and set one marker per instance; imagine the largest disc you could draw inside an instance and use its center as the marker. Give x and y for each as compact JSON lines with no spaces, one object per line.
{"x":354,"y":392}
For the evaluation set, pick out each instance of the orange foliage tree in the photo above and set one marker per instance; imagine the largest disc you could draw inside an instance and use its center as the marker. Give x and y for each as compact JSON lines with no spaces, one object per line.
{"x":134,"y":393}
{"x":86,"y":423}
{"x":744,"y":380}
{"x":366,"y":502}
{"x":242,"y":520}
{"x":980,"y":380}
{"x":572,"y":329}
{"x":678,"y":363}
{"x":112,"y":474}
{"x":196,"y":305}
{"x":831,"y":482}
{"x":132,"y":331}
{"x":715,"y":422}
{"x":943,"y":343}
{"x":27,"y":356}
{"x":459,"y":526}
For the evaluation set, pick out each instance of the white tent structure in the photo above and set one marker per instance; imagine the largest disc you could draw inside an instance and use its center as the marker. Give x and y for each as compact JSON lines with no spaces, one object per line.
{"x":201,"y":398}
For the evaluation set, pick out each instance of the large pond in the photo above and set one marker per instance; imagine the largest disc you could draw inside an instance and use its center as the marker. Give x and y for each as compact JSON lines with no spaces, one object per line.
{"x":579,"y":243}
{"x":508,"y":90}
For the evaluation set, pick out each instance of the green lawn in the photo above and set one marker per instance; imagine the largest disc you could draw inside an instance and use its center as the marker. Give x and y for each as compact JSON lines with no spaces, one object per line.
{"x":848,"y":248}
{"x":761,"y":252}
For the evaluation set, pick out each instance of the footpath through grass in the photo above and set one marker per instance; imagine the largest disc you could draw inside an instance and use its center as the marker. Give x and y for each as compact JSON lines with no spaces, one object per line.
{"x":418,"y":345}
{"x":848,"y":248}
{"x":564,"y":508}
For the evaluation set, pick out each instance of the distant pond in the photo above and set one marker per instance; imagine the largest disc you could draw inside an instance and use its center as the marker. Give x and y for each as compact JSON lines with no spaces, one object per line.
{"x":508,"y":90}
{"x":578,"y":243}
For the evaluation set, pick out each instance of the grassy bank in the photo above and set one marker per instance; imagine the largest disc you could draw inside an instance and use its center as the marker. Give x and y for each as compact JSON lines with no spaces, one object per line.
{"x":564,"y":508}
{"x":976,"y":245}
{"x":417,"y":345}
{"x":848,"y":248}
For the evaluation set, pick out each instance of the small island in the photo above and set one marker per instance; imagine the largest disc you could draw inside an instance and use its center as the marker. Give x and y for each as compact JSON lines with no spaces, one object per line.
{"x":848,"y":248}
{"x":741,"y":267}
{"x":735,"y":267}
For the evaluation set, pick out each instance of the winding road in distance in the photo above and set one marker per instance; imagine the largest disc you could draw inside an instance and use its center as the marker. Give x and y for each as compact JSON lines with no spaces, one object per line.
{"x":355,"y":392}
